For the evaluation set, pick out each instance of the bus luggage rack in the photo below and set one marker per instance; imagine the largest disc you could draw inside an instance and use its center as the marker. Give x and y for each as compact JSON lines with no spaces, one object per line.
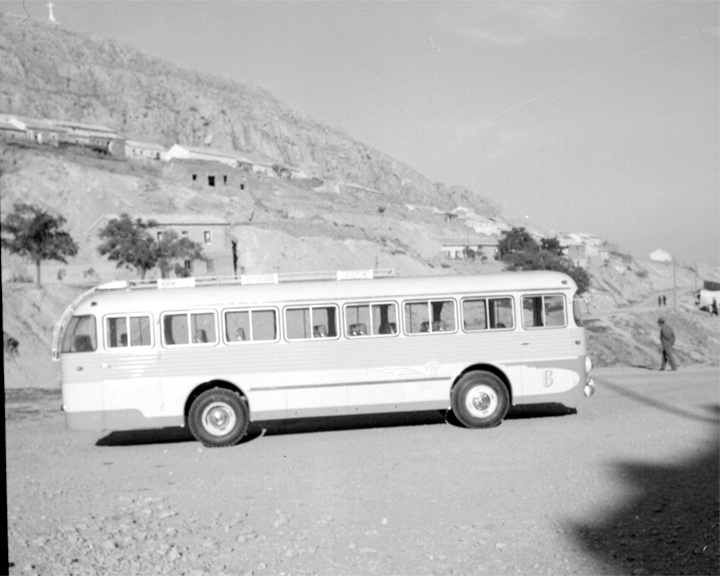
{"x":244,"y":279}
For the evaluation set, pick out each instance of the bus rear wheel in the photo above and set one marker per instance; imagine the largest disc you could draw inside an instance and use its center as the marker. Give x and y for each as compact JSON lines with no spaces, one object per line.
{"x":480,"y":400}
{"x":218,"y":418}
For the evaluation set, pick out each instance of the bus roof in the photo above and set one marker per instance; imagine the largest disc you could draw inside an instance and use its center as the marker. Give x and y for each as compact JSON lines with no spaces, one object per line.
{"x":107,"y":300}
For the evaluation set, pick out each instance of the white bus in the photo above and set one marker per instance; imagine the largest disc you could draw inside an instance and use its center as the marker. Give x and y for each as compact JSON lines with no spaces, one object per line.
{"x":217,"y":354}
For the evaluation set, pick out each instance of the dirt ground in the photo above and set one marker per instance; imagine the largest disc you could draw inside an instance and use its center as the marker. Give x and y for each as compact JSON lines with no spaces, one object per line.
{"x":626,"y":484}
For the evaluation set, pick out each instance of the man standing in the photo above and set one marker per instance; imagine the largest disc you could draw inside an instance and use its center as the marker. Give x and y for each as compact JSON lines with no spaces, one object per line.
{"x":667,"y":341}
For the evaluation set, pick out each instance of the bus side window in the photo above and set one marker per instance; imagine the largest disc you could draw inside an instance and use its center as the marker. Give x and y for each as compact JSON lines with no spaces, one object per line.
{"x":430,"y":316}
{"x":311,"y":322}
{"x":544,"y":311}
{"x":370,"y":319}
{"x":202,"y":327}
{"x":80,"y":335}
{"x":121,"y":332}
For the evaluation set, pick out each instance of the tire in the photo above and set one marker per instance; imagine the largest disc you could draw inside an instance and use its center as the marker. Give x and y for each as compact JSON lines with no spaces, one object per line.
{"x":218,"y":418}
{"x":480,"y":400}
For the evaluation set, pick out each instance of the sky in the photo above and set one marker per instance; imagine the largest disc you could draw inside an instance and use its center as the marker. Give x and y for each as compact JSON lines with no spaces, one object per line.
{"x":572,"y":116}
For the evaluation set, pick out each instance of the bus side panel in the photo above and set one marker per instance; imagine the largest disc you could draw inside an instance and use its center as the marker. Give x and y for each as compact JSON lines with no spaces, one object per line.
{"x":82,"y":391}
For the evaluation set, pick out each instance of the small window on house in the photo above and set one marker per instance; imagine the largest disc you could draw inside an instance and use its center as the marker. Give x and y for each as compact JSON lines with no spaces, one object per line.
{"x":207,"y":236}
{"x":224,"y":179}
{"x":159,"y":236}
{"x":194,"y":177}
{"x":211,"y":180}
{"x":429,"y":316}
{"x":242,"y":185}
{"x":184,"y":233}
{"x":188,"y":266}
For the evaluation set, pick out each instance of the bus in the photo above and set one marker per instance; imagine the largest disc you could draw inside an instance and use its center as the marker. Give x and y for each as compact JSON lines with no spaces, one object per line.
{"x":215,"y":354}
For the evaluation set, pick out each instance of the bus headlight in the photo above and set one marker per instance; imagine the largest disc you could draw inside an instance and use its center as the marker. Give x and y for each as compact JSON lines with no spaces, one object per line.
{"x":589,"y":388}
{"x":588,"y":364}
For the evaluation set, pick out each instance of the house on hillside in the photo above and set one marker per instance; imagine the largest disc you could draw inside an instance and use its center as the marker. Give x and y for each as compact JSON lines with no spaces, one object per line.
{"x":461,"y":248}
{"x":144,"y":150}
{"x":92,"y":136}
{"x":585,"y":255}
{"x":229,"y":158}
{"x":205,"y":174}
{"x":40,"y":131}
{"x":210,"y":232}
{"x":9,"y":131}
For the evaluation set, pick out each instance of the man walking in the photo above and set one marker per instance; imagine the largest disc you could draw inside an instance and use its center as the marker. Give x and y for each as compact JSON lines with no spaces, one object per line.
{"x":667,"y":341}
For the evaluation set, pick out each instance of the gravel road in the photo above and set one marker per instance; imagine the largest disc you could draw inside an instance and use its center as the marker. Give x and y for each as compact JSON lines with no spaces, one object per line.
{"x":628,"y":484}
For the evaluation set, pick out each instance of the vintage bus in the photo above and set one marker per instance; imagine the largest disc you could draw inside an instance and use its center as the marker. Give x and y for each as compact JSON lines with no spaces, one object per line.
{"x":217,"y":354}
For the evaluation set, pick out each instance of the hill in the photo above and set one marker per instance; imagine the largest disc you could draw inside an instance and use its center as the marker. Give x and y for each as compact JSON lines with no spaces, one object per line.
{"x":47,"y":71}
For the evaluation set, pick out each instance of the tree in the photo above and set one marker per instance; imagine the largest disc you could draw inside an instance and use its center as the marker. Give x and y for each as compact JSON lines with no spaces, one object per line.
{"x":35,"y":234}
{"x":129,"y":243}
{"x":172,"y":248}
{"x":516,"y":240}
{"x":523,"y":254}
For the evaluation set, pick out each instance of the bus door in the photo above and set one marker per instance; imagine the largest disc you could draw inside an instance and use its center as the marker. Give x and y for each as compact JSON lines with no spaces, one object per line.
{"x":131,"y":379}
{"x":82,"y":374}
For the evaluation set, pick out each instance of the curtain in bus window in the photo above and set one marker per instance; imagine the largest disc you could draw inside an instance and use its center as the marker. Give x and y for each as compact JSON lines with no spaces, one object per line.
{"x":532,"y":311}
{"x":80,"y":335}
{"x":175,"y":329}
{"x":384,"y":319}
{"x":474,"y":315}
{"x":323,"y":322}
{"x":116,"y":332}
{"x":202,"y":327}
{"x":555,"y":310}
{"x":298,"y":323}
{"x":500,"y":313}
{"x":443,"y":312}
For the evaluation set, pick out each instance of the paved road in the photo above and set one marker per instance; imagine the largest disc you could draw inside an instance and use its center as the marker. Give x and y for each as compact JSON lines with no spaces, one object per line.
{"x":628,"y":484}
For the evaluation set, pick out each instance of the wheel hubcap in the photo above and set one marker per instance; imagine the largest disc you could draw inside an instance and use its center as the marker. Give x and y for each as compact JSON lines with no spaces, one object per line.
{"x":481,"y":401}
{"x":218,"y":418}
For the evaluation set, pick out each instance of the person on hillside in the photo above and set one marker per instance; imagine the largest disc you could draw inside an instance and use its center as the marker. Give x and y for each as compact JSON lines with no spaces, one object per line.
{"x":667,"y":341}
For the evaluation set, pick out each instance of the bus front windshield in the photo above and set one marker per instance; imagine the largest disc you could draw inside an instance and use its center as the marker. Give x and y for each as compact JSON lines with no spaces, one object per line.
{"x":80,"y":335}
{"x":577,"y":313}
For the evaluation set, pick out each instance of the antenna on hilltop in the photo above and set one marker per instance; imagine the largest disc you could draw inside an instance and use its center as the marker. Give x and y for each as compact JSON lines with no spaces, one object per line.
{"x":51,"y":17}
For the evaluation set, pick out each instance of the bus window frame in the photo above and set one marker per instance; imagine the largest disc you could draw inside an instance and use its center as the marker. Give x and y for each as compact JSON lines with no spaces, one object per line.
{"x":487,"y":299}
{"x":312,"y":337}
{"x":230,"y":342}
{"x":166,"y":313}
{"x":429,"y":302}
{"x":544,"y":318}
{"x":114,"y":349}
{"x":74,"y":335}
{"x":370,"y":334}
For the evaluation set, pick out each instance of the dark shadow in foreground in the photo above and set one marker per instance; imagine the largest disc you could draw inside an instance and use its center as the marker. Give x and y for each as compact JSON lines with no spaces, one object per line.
{"x":670,"y":526}
{"x":324,"y":424}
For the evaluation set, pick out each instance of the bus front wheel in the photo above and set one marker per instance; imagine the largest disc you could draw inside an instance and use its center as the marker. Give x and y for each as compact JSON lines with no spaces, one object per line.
{"x":480,"y":400}
{"x":218,"y":418}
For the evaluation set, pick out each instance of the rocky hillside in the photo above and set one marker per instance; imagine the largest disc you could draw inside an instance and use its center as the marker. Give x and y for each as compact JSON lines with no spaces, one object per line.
{"x":48,"y":71}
